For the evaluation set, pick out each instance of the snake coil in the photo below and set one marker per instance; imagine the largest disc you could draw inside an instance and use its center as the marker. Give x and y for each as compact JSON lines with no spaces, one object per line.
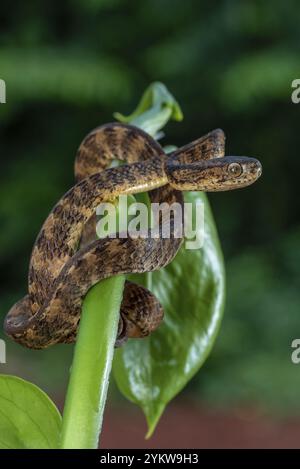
{"x":67,"y":259}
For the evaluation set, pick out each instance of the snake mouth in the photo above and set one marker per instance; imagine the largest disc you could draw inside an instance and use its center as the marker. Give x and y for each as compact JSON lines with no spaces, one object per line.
{"x":252,"y":170}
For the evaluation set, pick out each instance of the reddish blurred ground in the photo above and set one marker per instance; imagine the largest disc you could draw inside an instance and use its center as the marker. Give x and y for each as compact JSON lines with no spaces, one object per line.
{"x":186,"y":426}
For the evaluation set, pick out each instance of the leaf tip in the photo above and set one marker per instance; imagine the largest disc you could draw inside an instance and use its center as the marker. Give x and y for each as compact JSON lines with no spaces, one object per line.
{"x":119,"y":117}
{"x":152,"y":420}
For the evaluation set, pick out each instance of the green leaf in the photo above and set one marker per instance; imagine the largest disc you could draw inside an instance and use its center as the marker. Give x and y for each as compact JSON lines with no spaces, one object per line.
{"x":156,"y":107}
{"x":28,"y":417}
{"x":150,"y":372}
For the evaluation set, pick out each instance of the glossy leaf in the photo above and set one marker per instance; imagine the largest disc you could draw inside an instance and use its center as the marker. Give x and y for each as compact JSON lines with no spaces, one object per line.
{"x":150,"y":372}
{"x":156,"y":107}
{"x":28,"y":417}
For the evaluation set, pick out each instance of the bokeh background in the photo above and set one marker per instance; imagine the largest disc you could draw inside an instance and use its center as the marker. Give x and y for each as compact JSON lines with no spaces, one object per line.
{"x":68,"y":66}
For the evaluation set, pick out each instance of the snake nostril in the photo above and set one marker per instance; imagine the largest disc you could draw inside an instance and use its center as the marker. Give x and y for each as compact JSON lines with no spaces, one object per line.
{"x":259,"y":170}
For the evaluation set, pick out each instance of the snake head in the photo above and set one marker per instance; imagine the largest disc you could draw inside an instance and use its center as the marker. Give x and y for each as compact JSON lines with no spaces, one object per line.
{"x":217,"y":174}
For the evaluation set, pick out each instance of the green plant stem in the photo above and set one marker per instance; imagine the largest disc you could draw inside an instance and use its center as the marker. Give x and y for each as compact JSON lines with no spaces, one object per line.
{"x":87,"y":390}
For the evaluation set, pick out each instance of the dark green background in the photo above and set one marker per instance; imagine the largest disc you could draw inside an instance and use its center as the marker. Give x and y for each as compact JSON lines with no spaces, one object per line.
{"x":69,"y":65}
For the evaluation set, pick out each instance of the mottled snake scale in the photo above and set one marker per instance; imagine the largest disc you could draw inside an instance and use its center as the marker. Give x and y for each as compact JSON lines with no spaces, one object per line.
{"x":67,"y":259}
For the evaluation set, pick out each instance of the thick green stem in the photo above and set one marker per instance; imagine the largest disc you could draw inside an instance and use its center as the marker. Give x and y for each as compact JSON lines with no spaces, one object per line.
{"x":87,"y":390}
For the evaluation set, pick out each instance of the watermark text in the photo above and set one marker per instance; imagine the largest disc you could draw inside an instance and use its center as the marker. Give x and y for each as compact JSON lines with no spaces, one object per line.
{"x":156,"y":220}
{"x":2,"y":92}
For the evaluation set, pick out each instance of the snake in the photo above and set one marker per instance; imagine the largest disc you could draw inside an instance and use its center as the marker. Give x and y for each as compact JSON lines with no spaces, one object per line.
{"x":67,"y":258}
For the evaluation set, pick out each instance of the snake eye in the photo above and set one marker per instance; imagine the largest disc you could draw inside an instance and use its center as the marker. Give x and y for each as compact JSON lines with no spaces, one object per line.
{"x":235,"y":169}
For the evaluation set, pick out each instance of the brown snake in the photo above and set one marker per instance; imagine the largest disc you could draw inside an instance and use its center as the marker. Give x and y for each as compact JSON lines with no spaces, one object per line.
{"x":66,"y":261}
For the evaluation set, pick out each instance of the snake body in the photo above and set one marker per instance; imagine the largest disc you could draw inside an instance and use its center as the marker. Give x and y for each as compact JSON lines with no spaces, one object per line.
{"x":67,"y":260}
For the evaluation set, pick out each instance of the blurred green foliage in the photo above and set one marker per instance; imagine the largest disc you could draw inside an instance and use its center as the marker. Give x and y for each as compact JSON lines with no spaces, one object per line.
{"x":230,"y":64}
